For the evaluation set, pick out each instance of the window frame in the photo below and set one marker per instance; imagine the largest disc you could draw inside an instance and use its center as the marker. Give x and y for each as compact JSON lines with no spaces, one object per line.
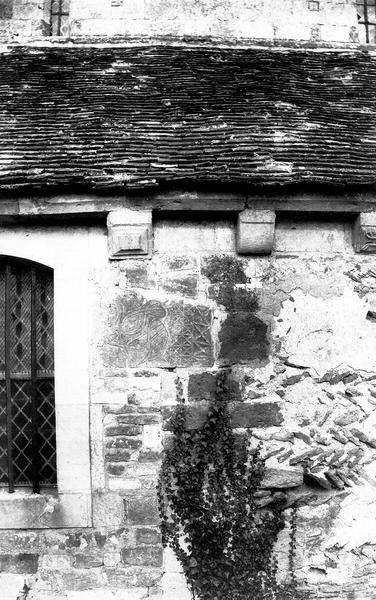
{"x":35,"y":270}
{"x":70,"y":504}
{"x":59,"y":15}
{"x":365,"y":21}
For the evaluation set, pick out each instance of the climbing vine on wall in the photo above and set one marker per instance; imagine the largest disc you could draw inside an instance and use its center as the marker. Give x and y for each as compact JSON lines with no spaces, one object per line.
{"x":207,"y":485}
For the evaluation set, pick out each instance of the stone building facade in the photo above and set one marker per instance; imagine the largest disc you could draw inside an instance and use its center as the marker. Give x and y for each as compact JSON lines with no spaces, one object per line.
{"x":308,"y":20}
{"x":206,"y":200}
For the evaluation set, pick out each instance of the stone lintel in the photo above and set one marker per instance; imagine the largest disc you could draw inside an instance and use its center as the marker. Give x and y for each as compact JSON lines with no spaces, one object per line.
{"x":14,"y":209}
{"x":129,"y":233}
{"x":255,"y":232}
{"x":364,"y":233}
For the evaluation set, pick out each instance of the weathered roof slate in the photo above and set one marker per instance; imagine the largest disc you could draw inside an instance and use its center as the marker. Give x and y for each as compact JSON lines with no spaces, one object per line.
{"x":136,"y":117}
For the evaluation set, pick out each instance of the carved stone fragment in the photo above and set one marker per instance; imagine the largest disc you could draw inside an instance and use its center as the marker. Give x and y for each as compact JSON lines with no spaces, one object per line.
{"x":255,"y":233}
{"x":129,"y":233}
{"x":364,"y":233}
{"x":158,"y":334}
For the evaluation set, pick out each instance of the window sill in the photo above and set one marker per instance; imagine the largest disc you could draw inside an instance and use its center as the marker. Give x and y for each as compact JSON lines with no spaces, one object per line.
{"x":49,"y":509}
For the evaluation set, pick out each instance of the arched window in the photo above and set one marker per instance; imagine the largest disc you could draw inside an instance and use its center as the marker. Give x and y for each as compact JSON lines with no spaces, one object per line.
{"x":27,"y":406}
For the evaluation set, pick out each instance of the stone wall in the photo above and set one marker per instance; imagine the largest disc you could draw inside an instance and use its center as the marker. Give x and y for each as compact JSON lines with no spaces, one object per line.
{"x":309,"y":20}
{"x":21,"y":19}
{"x":329,"y":20}
{"x":297,"y":330}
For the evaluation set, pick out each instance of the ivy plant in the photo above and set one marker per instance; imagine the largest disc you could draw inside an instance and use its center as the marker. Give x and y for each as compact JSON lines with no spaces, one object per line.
{"x":206,"y":490}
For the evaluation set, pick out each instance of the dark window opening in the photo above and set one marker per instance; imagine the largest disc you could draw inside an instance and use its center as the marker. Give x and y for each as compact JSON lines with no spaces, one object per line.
{"x":27,"y":403}
{"x":367,"y":19}
{"x":60,"y":17}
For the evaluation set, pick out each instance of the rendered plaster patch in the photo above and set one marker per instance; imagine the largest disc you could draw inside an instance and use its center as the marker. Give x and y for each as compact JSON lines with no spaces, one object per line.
{"x":323,"y":334}
{"x":356,"y":521}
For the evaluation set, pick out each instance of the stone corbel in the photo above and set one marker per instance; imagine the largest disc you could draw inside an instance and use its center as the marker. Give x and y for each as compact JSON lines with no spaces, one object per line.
{"x":129,"y":233}
{"x":364,"y":233}
{"x":255,"y":232}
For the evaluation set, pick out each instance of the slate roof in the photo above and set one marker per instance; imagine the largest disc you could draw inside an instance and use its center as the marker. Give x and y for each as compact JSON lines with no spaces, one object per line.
{"x":140,"y":116}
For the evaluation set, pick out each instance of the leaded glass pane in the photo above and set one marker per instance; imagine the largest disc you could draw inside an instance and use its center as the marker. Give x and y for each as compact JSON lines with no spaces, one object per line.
{"x":27,"y":406}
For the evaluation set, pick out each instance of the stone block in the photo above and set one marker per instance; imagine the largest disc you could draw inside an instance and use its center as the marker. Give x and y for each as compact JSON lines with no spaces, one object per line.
{"x":363,"y":437}
{"x":111,"y":559}
{"x":80,"y":579}
{"x":255,"y":232}
{"x":115,"y":469}
{"x":243,"y":338}
{"x":6,"y":9}
{"x":87,"y":561}
{"x":185,"y":286}
{"x":108,"y":510}
{"x":19,"y":563}
{"x":109,"y":390}
{"x":364,"y":233}
{"x":120,"y":442}
{"x":56,"y":562}
{"x":146,"y":535}
{"x":145,"y":332}
{"x":122,"y":430}
{"x":296,"y":236}
{"x":149,"y":455}
{"x":282,"y":478}
{"x":134,"y":576}
{"x":190,"y":237}
{"x":124,"y":485}
{"x":152,"y":437}
{"x":143,"y":555}
{"x":202,"y":386}
{"x":138,"y":277}
{"x":118,"y":455}
{"x":142,"y":510}
{"x":243,"y":415}
{"x":256,"y":414}
{"x":129,"y":233}
{"x":139,"y":419}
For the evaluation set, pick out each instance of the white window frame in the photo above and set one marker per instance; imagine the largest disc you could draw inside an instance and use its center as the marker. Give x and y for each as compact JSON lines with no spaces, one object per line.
{"x":67,"y":252}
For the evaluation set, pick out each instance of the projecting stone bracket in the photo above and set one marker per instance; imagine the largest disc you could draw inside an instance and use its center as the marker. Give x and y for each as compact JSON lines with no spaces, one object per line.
{"x":255,"y":232}
{"x":129,"y":233}
{"x":364,"y":233}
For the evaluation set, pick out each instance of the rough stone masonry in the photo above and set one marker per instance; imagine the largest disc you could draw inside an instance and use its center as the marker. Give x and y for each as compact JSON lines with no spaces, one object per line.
{"x":297,"y":330}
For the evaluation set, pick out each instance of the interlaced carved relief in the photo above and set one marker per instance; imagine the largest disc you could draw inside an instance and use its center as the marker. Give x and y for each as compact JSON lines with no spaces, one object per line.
{"x":160,"y":334}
